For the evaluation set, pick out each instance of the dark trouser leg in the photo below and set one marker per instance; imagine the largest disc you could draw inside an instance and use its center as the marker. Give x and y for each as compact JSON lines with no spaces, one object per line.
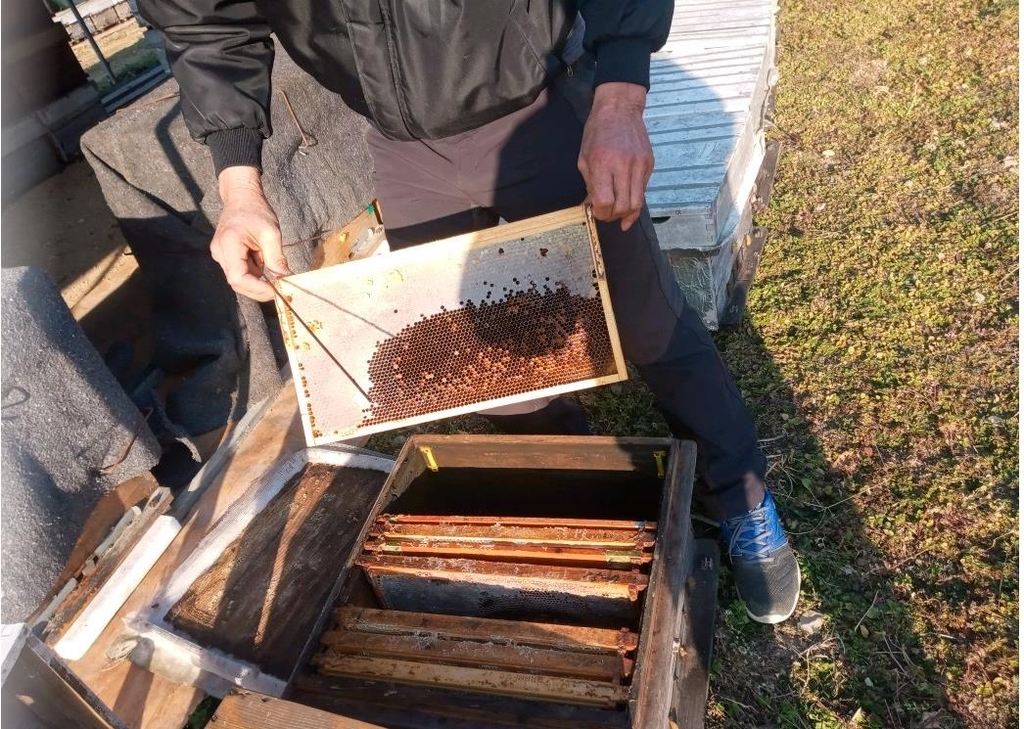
{"x":418,"y":199}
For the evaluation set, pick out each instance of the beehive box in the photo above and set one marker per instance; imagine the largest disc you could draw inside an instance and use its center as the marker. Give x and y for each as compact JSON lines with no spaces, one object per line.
{"x":279,"y":575}
{"x":481,"y":320}
{"x":706,"y":116}
{"x":530,"y":480}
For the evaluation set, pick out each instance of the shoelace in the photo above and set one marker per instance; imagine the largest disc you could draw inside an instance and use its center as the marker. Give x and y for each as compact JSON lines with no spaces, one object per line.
{"x":752,"y":535}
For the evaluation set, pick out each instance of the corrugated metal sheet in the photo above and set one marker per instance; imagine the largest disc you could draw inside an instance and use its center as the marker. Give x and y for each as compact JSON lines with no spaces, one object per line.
{"x":705,"y":115}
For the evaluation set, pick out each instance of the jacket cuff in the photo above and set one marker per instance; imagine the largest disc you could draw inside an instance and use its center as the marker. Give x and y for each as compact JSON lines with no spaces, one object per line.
{"x":239,"y":147}
{"x":624,"y":59}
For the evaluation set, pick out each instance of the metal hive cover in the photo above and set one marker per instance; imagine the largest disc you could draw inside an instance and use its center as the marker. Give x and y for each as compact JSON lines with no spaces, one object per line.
{"x":704,"y":114}
{"x":490,"y":318}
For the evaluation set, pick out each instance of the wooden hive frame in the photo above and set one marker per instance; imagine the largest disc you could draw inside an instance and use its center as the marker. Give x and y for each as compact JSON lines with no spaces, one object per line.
{"x":448,"y":584}
{"x":627,"y":544}
{"x":330,"y":344}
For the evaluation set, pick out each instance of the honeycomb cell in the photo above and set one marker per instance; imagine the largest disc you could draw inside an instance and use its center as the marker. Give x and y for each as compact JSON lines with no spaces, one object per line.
{"x":528,"y":340}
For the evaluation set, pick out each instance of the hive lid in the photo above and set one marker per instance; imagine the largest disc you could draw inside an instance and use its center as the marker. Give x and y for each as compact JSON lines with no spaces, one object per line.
{"x":704,"y":113}
{"x":499,"y":316}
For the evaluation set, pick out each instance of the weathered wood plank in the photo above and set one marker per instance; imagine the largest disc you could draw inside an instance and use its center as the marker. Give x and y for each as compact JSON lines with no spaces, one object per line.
{"x":245,"y":710}
{"x":553,"y":554}
{"x":569,"y":580}
{"x":84,"y":597}
{"x":425,"y":707}
{"x":583,"y":531}
{"x":579,"y":453}
{"x":104,"y":517}
{"x":652,"y":693}
{"x":264,"y":593}
{"x":541,"y":635}
{"x":617,"y":544}
{"x":693,"y":669}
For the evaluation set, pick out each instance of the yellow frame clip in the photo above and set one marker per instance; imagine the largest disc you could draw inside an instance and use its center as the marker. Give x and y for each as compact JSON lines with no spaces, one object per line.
{"x":659,"y":458}
{"x":428,"y":457}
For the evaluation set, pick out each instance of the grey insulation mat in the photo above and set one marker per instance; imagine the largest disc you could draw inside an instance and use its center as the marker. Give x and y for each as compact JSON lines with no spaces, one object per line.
{"x":159,"y":183}
{"x":69,"y":435}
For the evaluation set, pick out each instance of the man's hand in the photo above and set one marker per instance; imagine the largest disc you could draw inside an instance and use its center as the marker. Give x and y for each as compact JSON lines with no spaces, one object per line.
{"x":248,"y":235}
{"x":616,"y":159}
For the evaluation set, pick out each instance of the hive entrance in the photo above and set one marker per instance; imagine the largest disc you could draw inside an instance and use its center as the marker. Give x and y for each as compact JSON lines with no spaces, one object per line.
{"x":491,"y":318}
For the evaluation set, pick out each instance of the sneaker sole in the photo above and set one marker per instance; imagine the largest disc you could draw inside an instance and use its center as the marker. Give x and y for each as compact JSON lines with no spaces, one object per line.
{"x":776,"y":618}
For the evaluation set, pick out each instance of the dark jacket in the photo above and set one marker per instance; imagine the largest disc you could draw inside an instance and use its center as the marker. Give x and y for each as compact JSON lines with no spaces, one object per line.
{"x":417,"y":69}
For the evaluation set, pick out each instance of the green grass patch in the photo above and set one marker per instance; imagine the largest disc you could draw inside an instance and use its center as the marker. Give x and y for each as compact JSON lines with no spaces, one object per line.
{"x":880,"y":356}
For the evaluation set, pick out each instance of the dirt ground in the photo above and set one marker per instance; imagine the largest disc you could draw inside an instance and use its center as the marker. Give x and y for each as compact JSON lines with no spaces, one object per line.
{"x":125,"y":49}
{"x":64,"y":227}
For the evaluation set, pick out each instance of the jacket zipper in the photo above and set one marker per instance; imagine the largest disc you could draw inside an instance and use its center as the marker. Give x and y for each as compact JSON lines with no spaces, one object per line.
{"x":393,"y":62}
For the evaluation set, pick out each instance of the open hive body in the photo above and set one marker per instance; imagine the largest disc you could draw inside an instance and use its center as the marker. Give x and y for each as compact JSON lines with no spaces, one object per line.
{"x":562,"y":609}
{"x":431,"y":611}
{"x":492,"y":318}
{"x":710,"y":88}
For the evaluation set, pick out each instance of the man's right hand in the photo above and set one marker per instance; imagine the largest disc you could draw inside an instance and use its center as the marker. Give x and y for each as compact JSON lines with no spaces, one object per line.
{"x":248,"y":236}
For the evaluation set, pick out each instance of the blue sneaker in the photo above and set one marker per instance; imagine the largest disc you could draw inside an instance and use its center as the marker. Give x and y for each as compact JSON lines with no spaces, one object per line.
{"x":763,"y":564}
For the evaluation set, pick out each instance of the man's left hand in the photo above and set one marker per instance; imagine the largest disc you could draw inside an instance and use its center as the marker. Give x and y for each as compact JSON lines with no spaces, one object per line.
{"x":616,"y":159}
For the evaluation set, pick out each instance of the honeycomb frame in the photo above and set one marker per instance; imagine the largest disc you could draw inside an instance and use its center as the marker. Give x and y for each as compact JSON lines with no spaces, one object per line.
{"x":477,"y":321}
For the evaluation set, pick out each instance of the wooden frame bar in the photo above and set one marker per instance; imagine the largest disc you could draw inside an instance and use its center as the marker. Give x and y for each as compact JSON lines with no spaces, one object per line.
{"x":571,"y":580}
{"x":502,"y":683}
{"x":646,"y":456}
{"x":544,"y":541}
{"x":539,"y":635}
{"x":505,"y":656}
{"x":428,"y":524}
{"x":511,"y":552}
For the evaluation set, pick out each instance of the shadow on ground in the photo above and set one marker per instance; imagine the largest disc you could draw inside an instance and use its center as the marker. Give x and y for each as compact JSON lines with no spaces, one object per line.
{"x":809,"y":671}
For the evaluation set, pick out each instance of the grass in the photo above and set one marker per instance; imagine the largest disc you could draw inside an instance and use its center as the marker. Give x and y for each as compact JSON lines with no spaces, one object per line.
{"x":880,"y":358}
{"x":880,"y":355}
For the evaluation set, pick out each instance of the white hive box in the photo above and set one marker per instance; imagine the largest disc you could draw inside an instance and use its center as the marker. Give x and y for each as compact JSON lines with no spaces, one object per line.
{"x":705,"y":114}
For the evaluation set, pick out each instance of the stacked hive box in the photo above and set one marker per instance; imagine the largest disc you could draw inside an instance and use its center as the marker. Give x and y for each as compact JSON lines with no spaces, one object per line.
{"x":705,"y":112}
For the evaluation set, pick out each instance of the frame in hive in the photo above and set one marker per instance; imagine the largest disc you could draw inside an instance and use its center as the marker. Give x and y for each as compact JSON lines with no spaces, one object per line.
{"x":490,"y":318}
